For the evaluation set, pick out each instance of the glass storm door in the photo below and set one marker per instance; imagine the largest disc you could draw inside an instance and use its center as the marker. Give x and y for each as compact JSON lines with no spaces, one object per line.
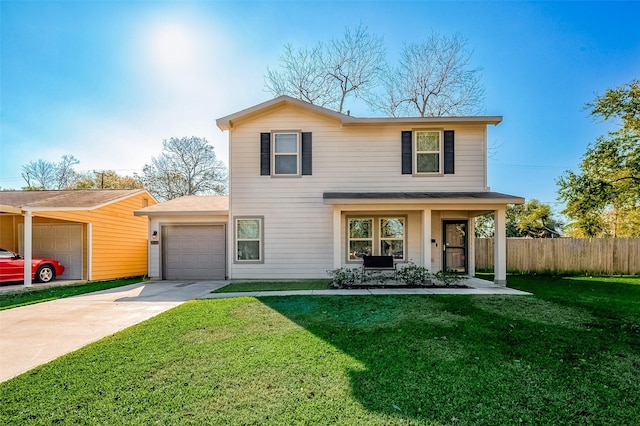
{"x":455,"y":246}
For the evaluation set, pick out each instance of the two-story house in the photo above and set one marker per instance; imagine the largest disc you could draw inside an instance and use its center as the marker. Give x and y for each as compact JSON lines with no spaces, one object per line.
{"x":313,"y":190}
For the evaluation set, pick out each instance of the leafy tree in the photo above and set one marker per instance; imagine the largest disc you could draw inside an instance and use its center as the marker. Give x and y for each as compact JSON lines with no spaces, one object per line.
{"x":603,"y":198}
{"x":622,"y":103}
{"x":187,"y":166}
{"x":327,"y":74}
{"x":42,"y":174}
{"x":107,"y":179}
{"x":433,"y":78}
{"x":484,"y":226}
{"x":533,"y":220}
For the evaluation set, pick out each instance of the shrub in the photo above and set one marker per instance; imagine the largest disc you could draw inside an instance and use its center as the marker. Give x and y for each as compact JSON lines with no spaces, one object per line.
{"x":412,"y":274}
{"x":344,"y":277}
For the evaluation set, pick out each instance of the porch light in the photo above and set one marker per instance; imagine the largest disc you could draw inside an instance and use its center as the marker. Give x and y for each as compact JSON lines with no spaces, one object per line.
{"x":154,"y":236}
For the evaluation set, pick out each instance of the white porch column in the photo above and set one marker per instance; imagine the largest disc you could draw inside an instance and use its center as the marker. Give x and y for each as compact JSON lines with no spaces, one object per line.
{"x":471,"y":247}
{"x":426,"y":239}
{"x":27,"y":244}
{"x":89,"y":251}
{"x":500,"y":247}
{"x":337,"y":238}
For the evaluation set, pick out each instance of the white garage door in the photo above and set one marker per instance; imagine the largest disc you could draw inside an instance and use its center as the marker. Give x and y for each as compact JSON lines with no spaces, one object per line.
{"x":194,"y":252}
{"x":61,"y":242}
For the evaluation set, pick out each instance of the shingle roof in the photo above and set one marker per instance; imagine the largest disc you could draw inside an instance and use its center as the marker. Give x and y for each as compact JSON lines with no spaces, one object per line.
{"x":424,"y":196}
{"x":414,"y":195}
{"x":225,"y":123}
{"x":73,"y":199}
{"x":189,"y":205}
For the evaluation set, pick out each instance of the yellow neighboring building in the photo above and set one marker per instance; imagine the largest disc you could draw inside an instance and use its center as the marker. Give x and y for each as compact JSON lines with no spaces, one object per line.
{"x":93,"y":233}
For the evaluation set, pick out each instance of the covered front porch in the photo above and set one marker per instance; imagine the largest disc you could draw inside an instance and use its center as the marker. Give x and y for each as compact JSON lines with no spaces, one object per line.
{"x":433,"y":230}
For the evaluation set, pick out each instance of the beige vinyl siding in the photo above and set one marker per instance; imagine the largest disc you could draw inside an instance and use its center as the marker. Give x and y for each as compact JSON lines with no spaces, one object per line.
{"x":298,"y":226}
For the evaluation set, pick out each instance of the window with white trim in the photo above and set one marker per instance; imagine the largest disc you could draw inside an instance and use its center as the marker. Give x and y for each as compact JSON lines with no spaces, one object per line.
{"x":286,"y":154}
{"x":386,"y":238}
{"x":248,"y":239}
{"x":392,"y":237}
{"x":360,"y":238}
{"x":427,"y":151}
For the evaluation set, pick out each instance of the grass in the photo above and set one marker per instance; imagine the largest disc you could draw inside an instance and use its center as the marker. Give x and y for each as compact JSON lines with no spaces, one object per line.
{"x":570,"y":355}
{"x":274,"y":286}
{"x":14,"y":299}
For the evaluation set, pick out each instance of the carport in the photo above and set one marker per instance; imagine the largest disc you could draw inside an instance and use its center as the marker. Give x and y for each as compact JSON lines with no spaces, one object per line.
{"x":93,"y":233}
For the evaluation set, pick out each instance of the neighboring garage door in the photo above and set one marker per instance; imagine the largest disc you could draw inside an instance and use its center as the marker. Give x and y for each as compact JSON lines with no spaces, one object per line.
{"x":61,"y":242}
{"x":194,"y":252}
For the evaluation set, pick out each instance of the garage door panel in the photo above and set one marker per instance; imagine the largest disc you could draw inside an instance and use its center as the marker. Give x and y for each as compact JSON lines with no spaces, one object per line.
{"x":62,"y":242}
{"x":194,"y":252}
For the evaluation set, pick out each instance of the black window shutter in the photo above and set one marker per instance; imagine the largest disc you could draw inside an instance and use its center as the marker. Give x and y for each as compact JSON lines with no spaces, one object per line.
{"x":265,"y":154}
{"x":306,"y":153}
{"x":407,"y":157}
{"x":449,"y":153}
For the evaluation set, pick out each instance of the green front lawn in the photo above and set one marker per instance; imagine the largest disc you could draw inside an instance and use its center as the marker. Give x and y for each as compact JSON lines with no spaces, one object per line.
{"x":29,"y":296}
{"x":570,"y":354}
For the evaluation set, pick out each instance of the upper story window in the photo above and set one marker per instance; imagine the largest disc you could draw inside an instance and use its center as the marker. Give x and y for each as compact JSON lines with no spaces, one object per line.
{"x":286,"y":154}
{"x":427,"y":151}
{"x":286,"y":151}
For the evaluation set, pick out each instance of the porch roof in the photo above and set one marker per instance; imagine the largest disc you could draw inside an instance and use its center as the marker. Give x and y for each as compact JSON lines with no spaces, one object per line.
{"x":485,"y":197}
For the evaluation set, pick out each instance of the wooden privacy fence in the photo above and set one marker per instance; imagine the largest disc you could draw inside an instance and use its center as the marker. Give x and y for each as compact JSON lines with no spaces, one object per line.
{"x":608,"y":256}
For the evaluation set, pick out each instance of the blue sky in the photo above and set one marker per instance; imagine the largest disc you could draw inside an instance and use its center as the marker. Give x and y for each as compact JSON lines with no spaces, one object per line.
{"x":108,"y":81}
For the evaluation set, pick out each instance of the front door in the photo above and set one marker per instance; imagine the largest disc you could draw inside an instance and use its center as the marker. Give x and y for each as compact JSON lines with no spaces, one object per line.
{"x":455,"y":240}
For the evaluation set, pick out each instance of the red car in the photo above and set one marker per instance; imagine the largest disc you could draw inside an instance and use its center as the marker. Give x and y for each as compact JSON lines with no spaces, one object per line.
{"x":42,"y":270}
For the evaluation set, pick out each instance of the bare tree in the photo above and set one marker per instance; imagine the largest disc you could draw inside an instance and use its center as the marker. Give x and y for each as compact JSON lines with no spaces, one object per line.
{"x":327,"y":75}
{"x":355,"y":63}
{"x":187,"y":166}
{"x":433,"y":78}
{"x":66,"y":176}
{"x":42,"y":174}
{"x":39,"y":175}
{"x":302,"y":76}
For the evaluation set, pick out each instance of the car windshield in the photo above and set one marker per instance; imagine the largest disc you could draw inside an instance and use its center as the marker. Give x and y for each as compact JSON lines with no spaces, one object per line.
{"x":6,"y":254}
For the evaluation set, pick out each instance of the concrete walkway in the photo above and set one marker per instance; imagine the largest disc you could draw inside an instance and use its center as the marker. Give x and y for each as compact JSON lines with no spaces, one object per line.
{"x":36,"y":334}
{"x":475,"y":286}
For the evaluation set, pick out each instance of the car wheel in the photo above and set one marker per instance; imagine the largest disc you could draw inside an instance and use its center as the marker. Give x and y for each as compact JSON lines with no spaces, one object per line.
{"x":45,"y":273}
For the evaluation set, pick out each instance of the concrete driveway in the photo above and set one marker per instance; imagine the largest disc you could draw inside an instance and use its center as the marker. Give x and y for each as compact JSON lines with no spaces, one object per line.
{"x":35,"y":334}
